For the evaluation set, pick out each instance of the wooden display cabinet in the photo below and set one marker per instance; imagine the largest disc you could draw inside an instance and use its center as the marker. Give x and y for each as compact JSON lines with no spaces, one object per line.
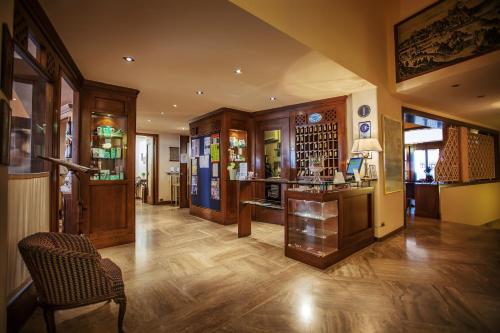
{"x":228,"y":123}
{"x":108,"y":144}
{"x":322,"y":228}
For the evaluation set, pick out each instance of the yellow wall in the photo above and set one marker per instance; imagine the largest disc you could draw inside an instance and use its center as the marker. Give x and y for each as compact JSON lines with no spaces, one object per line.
{"x":6,"y":16}
{"x":471,"y":204}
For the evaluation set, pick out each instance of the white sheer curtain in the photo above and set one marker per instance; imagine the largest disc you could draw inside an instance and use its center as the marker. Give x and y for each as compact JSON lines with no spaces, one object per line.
{"x":28,"y":212}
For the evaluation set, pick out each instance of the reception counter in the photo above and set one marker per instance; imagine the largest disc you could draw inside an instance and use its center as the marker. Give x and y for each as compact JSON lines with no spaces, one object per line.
{"x":322,"y":225}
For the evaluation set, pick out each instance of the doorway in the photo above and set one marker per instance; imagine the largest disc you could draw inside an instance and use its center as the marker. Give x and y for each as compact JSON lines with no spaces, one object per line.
{"x":67,"y":182}
{"x":146,"y":168}
{"x":423,"y":140}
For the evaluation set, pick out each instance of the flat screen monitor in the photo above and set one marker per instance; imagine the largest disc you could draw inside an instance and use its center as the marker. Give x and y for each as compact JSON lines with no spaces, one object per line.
{"x":354,"y":164}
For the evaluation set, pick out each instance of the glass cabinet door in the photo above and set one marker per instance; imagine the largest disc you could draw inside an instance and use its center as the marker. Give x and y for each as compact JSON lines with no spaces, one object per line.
{"x":109,"y":146}
{"x":313,"y":226}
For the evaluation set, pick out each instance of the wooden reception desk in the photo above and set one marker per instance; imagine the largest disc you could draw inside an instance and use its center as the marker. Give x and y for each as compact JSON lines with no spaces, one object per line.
{"x":321,"y":226}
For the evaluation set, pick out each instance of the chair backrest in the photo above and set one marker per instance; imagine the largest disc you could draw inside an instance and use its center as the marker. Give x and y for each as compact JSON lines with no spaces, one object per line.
{"x":65,"y":268}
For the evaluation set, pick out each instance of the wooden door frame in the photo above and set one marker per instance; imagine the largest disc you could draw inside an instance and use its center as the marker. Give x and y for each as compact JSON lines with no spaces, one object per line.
{"x":54,"y":227}
{"x":156,"y":157}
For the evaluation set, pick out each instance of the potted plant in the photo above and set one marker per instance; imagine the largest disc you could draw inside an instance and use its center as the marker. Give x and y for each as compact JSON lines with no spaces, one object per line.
{"x":232,"y":171}
{"x":428,"y":176}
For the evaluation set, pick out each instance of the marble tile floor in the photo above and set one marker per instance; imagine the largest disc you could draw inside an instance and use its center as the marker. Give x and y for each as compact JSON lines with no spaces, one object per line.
{"x":185,"y":274}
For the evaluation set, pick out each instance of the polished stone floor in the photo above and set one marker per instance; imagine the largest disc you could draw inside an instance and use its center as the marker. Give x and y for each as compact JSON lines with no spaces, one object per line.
{"x":185,"y":274}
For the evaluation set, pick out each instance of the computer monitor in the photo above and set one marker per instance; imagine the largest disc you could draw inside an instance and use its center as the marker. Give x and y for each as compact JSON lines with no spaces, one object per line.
{"x":354,"y":164}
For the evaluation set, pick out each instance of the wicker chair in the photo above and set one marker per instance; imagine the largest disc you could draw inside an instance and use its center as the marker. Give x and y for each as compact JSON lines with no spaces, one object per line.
{"x":68,"y":272}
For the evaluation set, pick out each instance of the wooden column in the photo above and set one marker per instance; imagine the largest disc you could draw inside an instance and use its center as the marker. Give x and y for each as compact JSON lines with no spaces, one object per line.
{"x":464,"y":154}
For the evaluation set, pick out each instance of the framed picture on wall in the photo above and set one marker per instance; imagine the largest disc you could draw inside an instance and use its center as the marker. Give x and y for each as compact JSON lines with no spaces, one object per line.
{"x":365,"y":129}
{"x":7,"y":72}
{"x":393,"y":155}
{"x":174,"y":154}
{"x":5,"y":123}
{"x":445,"y":33}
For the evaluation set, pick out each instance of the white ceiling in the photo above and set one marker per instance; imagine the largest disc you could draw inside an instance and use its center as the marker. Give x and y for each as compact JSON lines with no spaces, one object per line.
{"x":184,"y":46}
{"x":477,"y":77}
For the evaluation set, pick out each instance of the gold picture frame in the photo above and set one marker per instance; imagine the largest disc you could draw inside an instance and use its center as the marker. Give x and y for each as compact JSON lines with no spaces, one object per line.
{"x":393,"y":155}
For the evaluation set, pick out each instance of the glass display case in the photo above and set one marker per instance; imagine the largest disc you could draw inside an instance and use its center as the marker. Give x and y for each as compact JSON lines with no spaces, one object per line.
{"x":108,"y":146}
{"x":238,"y":151}
{"x":313,"y":226}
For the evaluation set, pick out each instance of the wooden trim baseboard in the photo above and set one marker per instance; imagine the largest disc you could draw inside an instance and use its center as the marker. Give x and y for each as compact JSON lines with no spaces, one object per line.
{"x":21,"y":307}
{"x":29,"y":175}
{"x":389,"y":235}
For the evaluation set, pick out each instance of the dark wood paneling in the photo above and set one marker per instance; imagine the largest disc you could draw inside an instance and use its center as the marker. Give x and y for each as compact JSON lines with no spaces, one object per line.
{"x":108,"y":207}
{"x":427,"y":200}
{"x":20,"y":307}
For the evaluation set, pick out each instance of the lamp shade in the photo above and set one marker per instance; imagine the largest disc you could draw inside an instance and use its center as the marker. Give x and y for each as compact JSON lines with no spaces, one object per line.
{"x":365,"y":145}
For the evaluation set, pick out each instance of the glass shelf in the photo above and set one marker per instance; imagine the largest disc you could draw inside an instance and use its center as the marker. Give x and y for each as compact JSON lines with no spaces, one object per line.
{"x":312,"y":226}
{"x":109,"y":146}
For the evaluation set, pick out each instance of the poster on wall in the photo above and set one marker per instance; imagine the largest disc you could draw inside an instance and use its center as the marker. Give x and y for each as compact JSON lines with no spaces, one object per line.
{"x":206,"y":145}
{"x":215,"y":189}
{"x":214,"y":152}
{"x":194,"y":185}
{"x":365,"y":129}
{"x":393,"y":155}
{"x":204,"y":161}
{"x":195,"y":147}
{"x":194,"y":166}
{"x":215,"y":170}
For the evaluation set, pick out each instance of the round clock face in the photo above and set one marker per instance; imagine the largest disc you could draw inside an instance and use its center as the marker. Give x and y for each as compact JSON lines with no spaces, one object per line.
{"x":364,"y":111}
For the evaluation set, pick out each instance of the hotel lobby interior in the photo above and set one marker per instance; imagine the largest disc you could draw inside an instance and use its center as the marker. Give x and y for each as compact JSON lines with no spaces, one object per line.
{"x":250,"y":166}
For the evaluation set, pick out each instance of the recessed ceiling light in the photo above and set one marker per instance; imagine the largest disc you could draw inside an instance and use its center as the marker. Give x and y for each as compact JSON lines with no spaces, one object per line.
{"x":455,"y":85}
{"x":183,"y":128}
{"x":109,"y":115}
{"x":481,"y":96}
{"x":14,"y":99}
{"x":174,"y":105}
{"x":129,"y":59}
{"x":199,"y":92}
{"x":162,"y":113}
{"x":149,"y":120}
{"x":273,"y":98}
{"x":237,"y":71}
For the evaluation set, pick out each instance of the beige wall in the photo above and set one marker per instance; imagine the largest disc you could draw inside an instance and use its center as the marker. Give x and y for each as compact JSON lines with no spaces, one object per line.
{"x":471,"y":204}
{"x":6,"y":16}
{"x":167,"y":140}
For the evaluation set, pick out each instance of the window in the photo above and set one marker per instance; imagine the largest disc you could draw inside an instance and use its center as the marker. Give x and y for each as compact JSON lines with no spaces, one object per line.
{"x":423,"y":135}
{"x":425,"y":159}
{"x":29,"y":131}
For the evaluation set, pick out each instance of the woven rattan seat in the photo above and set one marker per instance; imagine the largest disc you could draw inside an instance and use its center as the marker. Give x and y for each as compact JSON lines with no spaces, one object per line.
{"x":68,"y":272}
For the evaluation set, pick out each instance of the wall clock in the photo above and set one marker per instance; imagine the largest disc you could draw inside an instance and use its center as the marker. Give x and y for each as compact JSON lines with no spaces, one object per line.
{"x":364,"y":111}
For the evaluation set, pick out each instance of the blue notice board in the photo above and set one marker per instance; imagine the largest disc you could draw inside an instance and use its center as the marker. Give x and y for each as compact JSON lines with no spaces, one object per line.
{"x":203,"y":196}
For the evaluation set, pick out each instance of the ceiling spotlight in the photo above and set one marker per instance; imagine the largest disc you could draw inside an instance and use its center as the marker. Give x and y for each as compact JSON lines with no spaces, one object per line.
{"x":199,"y":92}
{"x":455,"y":85}
{"x":129,"y":59}
{"x":175,"y":105}
{"x":183,"y":128}
{"x":237,"y":71}
{"x":273,"y":98}
{"x":14,"y":99}
{"x":162,"y":113}
{"x":149,"y":120}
